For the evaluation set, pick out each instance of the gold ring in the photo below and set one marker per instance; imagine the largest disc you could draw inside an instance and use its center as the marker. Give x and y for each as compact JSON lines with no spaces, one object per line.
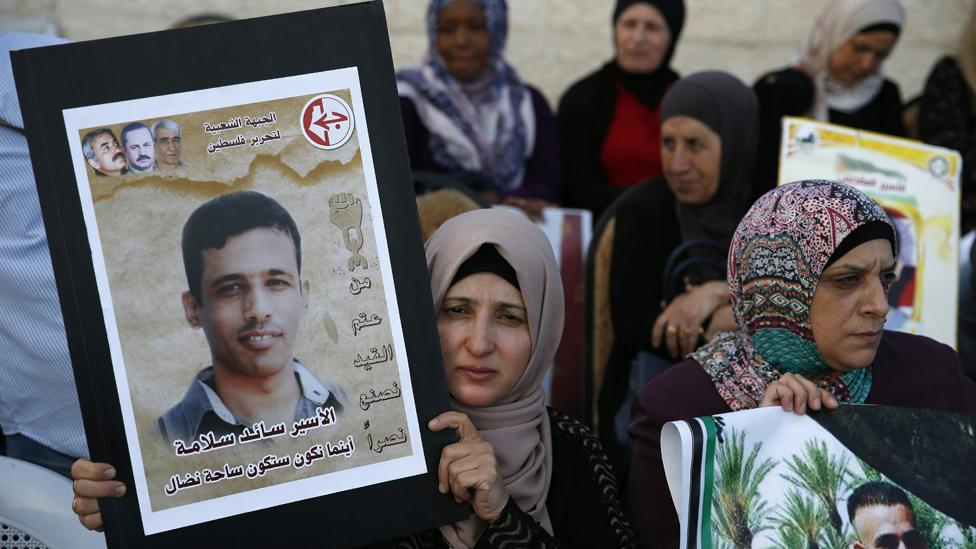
{"x":685,"y":331}
{"x":672,"y":329}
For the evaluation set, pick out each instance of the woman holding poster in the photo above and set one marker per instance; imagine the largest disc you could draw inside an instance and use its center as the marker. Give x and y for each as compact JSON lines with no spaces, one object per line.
{"x":809,"y":267}
{"x":528,"y":472}
{"x":837,"y":77}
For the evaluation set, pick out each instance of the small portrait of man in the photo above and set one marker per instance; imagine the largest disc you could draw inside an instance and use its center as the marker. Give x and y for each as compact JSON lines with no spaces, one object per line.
{"x":102,"y":151}
{"x":169,"y":145}
{"x":137,"y":141}
{"x":243,"y":260}
{"x":883,"y":518}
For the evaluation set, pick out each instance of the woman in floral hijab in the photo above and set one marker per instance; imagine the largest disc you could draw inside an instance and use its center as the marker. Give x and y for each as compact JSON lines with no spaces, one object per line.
{"x":809,"y":267}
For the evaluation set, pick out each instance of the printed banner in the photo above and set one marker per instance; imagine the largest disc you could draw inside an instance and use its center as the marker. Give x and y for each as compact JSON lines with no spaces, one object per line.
{"x":918,"y":185}
{"x":286,"y":266}
{"x":859,"y":476}
{"x":235,"y":240}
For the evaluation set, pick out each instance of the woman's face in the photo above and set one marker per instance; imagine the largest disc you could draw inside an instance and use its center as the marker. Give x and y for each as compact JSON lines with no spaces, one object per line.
{"x":850,"y":305}
{"x":642,"y":37}
{"x":463,"y":41}
{"x":485,"y":340}
{"x":860,"y":56}
{"x":691,"y":154}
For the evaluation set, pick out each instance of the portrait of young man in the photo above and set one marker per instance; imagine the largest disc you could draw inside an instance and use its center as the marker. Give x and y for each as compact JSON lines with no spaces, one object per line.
{"x":883,"y":518}
{"x":137,"y":141}
{"x":169,"y":144}
{"x":243,"y":262}
{"x":102,"y":151}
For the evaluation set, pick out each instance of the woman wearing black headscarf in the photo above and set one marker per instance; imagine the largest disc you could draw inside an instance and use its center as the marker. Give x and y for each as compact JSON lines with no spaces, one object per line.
{"x":609,"y":121}
{"x":709,"y":133}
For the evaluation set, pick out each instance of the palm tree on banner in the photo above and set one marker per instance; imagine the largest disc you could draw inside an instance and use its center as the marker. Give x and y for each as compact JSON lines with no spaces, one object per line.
{"x":801,"y":520}
{"x":739,"y":509}
{"x":822,"y":475}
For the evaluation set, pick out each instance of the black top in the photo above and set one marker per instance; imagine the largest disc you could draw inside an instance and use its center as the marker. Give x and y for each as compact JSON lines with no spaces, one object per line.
{"x":947,"y":118}
{"x":584,"y":116}
{"x":646,"y":231}
{"x":790,"y":92}
{"x":583,"y":502}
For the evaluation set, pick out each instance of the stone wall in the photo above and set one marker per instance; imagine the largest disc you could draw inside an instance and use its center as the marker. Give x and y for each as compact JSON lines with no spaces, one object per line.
{"x":553,"y":42}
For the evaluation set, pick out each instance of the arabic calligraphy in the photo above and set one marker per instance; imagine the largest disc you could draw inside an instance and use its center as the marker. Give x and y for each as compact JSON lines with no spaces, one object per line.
{"x":387,"y":394}
{"x":344,"y":447}
{"x":259,"y":432}
{"x":346,"y":213}
{"x":357,"y":286}
{"x":259,"y":140}
{"x":374,"y":357}
{"x":207,"y":443}
{"x":222,"y":144}
{"x":237,"y":122}
{"x":231,"y":124}
{"x":322,"y":417}
{"x":271,"y":118}
{"x":362,"y":322}
{"x":390,"y":440}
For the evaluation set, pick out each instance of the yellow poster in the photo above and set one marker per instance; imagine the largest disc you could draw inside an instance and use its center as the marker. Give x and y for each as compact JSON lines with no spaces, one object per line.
{"x":918,"y":185}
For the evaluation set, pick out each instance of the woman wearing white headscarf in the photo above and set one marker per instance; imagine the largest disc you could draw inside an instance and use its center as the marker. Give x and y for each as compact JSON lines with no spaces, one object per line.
{"x":532,"y":476}
{"x":837,"y":77}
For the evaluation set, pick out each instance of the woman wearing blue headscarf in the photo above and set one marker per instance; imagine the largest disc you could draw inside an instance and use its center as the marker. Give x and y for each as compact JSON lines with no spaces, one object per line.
{"x":467,"y":113}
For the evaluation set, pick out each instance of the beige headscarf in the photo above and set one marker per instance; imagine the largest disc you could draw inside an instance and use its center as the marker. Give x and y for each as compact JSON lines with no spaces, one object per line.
{"x":839,"y":21}
{"x":518,"y":425}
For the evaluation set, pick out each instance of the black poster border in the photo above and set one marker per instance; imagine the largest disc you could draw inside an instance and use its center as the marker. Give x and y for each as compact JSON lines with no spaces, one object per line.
{"x":55,"y":78}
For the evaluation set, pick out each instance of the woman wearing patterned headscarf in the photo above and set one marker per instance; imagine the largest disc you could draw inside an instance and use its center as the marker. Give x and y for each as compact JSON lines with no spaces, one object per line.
{"x":467,"y":113}
{"x":609,"y":121}
{"x":808,"y":270}
{"x":837,"y":77}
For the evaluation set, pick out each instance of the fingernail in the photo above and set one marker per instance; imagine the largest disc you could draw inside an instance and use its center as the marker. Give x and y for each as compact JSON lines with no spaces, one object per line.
{"x":120,"y":491}
{"x":441,"y":489}
{"x":109,"y":472}
{"x":432,"y":422}
{"x":816,"y":404}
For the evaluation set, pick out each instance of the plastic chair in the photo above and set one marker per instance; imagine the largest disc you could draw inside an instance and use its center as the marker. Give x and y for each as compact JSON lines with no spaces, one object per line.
{"x":36,"y":502}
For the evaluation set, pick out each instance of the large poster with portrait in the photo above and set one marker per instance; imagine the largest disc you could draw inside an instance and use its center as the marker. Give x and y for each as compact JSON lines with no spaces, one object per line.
{"x":918,"y":185}
{"x":246,"y":259}
{"x":860,"y":476}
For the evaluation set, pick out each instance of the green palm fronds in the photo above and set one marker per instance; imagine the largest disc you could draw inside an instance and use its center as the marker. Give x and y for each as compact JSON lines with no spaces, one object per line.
{"x":739,"y":512}
{"x":800,"y":522}
{"x":824,"y":476}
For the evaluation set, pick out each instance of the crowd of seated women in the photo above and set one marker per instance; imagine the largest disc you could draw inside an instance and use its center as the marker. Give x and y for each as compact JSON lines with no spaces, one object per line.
{"x":686,"y":166}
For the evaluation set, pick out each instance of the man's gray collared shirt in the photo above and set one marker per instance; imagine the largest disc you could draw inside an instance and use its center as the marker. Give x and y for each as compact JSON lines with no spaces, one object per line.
{"x":202,"y":410}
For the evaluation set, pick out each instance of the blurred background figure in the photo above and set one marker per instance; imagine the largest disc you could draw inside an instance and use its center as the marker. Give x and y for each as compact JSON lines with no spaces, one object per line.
{"x":610,"y":120}
{"x":39,"y":412}
{"x":947,"y":113}
{"x":836,"y":78}
{"x":466,"y":112}
{"x":668,"y":293}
